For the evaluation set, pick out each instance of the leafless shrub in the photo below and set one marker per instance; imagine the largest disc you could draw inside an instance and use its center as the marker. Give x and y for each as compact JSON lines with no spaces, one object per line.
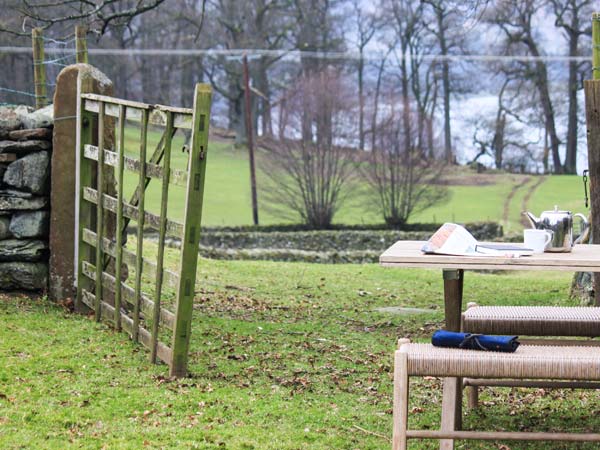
{"x":308,"y":168}
{"x":402,"y":180}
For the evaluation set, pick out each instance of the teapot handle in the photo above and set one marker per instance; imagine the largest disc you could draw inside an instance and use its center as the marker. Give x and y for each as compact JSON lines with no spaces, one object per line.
{"x":585,"y":229}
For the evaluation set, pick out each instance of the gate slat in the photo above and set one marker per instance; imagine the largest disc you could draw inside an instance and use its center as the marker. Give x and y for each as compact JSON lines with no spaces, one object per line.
{"x":128,"y":258}
{"x":167,"y":318}
{"x":118,"y":253}
{"x":164,"y":353}
{"x":182,"y":117}
{"x":164,"y":198}
{"x":99,"y":212}
{"x":140,"y":224}
{"x":84,"y":212}
{"x":174,"y":229}
{"x":176,"y":177}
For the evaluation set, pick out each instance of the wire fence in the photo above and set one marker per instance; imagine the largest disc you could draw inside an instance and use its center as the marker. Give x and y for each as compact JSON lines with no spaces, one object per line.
{"x":167,"y":76}
{"x":63,"y":53}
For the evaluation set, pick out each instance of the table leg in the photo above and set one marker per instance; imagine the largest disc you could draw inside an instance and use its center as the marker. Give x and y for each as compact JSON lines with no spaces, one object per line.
{"x":453,"y":292}
{"x":452,"y":399}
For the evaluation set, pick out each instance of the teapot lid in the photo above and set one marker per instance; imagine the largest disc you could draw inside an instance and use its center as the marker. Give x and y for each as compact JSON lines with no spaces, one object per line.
{"x":556,"y":211}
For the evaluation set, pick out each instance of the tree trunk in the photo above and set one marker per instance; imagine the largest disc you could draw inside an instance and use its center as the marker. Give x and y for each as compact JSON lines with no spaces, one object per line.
{"x":361,"y":103}
{"x":546,"y":156}
{"x":376,"y":104}
{"x":571,"y":152}
{"x":430,"y":121}
{"x":405,"y":103}
{"x":543,"y":89}
{"x":448,"y":154}
{"x":498,"y":143}
{"x":265,"y":103}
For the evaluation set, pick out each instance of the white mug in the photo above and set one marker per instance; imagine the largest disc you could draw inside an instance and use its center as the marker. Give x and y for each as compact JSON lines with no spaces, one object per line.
{"x":537,"y":240}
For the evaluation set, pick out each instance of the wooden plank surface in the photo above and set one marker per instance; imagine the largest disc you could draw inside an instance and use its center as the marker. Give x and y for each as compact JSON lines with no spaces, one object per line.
{"x":162,"y":234}
{"x":174,"y":229}
{"x":181,"y":117}
{"x":118,"y":254}
{"x":99,"y":213}
{"x":176,"y":177}
{"x":191,"y":236}
{"x":167,"y":318}
{"x":84,"y":178}
{"x":140,"y":225}
{"x":408,"y":254}
{"x":150,"y":268}
{"x":163,"y":351}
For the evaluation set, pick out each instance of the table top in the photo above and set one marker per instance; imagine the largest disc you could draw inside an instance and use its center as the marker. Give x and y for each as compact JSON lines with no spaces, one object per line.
{"x":583,"y":258}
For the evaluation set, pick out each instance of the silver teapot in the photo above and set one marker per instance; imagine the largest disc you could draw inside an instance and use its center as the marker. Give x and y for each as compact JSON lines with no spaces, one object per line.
{"x":560,"y":223}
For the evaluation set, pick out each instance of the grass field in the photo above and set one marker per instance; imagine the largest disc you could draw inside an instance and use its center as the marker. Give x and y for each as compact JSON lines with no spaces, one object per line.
{"x":474,"y":197}
{"x":283,"y":356}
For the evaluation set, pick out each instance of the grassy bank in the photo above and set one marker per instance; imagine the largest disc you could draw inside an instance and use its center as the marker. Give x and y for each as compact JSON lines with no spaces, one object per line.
{"x":284,"y":356}
{"x":474,"y":197}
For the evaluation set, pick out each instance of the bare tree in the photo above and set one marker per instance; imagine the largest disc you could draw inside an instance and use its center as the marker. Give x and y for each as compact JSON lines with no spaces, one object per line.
{"x":515,"y":20}
{"x":572,"y":16}
{"x":311,"y":177}
{"x":315,"y":31}
{"x":377,"y":95}
{"x":402,"y":180}
{"x":406,"y":25}
{"x":502,"y":137}
{"x":253,"y":24}
{"x":442,"y":10}
{"x":97,"y":15}
{"x":366,"y":26}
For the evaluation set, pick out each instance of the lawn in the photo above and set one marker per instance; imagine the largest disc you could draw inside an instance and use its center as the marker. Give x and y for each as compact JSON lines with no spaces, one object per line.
{"x":474,"y":197}
{"x":565,"y":191}
{"x":283,"y":356}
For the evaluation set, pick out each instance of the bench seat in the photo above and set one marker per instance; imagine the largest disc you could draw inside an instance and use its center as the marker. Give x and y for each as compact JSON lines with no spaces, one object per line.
{"x":532,"y":320}
{"x":528,"y":362}
{"x":537,"y":362}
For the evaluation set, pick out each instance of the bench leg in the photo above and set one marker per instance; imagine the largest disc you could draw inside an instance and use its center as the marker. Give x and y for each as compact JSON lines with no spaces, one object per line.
{"x":473,"y":396}
{"x":451,"y":410}
{"x":399,"y":439}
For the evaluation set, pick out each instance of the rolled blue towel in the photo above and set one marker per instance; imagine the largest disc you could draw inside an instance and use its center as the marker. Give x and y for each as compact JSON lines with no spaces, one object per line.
{"x":453,"y":339}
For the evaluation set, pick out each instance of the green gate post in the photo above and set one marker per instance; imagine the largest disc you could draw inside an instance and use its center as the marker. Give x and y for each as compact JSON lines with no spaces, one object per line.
{"x":191,"y":233}
{"x":84,"y":136}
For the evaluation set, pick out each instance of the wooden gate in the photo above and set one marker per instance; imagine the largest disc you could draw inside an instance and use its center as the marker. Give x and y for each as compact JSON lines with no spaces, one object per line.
{"x":105,"y":264}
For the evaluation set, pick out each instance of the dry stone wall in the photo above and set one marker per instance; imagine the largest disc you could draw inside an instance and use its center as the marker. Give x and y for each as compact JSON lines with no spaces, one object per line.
{"x":25,"y":152}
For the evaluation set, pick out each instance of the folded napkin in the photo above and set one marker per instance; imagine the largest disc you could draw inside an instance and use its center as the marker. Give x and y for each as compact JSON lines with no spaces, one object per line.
{"x":443,"y":338}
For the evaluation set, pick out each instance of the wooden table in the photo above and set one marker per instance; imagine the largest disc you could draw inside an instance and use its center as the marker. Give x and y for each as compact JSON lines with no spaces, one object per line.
{"x":407,"y":254}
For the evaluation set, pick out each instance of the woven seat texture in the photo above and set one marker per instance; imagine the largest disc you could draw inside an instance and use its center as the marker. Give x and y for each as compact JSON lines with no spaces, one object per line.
{"x":529,"y":361}
{"x":533,"y":320}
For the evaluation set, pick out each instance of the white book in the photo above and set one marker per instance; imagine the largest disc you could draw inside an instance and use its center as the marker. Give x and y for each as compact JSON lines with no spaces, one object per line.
{"x":453,"y":239}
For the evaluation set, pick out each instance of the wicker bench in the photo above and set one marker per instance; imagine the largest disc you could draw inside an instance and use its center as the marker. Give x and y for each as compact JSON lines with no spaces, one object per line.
{"x":528,"y":362}
{"x":532,"y":320}
{"x":539,"y":321}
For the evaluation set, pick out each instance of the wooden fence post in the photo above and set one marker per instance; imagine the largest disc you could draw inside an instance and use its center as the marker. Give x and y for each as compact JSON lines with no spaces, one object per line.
{"x":592,"y":114}
{"x":250,"y":140}
{"x":81,"y":54}
{"x":191,"y":230}
{"x":39,"y":68}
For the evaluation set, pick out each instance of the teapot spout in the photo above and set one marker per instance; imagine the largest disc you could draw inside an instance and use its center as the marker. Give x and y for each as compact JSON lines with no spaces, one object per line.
{"x":532,"y":219}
